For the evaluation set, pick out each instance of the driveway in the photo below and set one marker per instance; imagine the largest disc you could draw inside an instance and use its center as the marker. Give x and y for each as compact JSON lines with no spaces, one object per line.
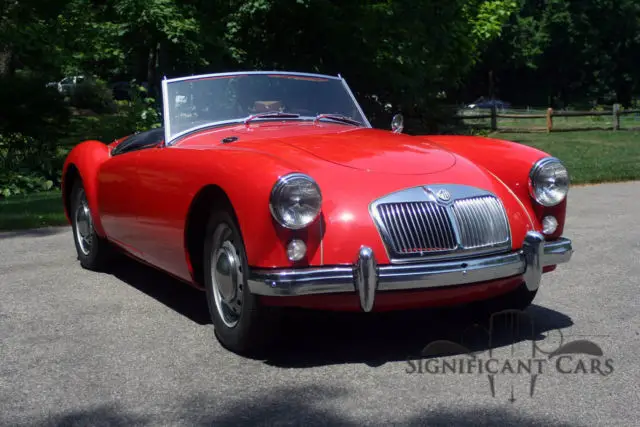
{"x":136,"y":348}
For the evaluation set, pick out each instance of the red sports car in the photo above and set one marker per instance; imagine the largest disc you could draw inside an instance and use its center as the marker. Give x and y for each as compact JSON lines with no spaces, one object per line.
{"x":271,"y":189}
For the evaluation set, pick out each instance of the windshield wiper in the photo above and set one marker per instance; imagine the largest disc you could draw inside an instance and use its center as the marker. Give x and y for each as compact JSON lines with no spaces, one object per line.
{"x":338,"y":118}
{"x":277,"y":114}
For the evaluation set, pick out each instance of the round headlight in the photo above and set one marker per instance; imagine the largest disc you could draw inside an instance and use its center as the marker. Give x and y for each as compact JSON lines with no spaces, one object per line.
{"x":549,"y":182}
{"x":295,"y":201}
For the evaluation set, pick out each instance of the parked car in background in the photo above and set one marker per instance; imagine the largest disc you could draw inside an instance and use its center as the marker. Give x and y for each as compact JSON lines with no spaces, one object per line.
{"x":272,"y":189}
{"x":67,"y":85}
{"x":482,"y":102}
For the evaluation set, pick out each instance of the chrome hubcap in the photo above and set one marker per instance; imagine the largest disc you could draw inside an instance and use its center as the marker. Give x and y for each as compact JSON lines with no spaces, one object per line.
{"x":226,"y":272}
{"x":227,"y":277}
{"x":84,"y":225}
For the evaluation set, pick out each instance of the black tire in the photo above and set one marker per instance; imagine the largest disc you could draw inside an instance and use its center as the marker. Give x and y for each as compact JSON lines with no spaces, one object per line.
{"x":517,"y":299}
{"x":254,"y":324}
{"x":520,"y":298}
{"x":96,"y":255}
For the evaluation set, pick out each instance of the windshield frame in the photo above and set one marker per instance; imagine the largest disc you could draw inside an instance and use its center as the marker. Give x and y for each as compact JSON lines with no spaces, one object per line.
{"x":170,"y":140}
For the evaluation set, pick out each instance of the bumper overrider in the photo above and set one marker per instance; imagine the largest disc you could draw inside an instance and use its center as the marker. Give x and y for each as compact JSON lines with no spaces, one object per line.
{"x":367,"y":278}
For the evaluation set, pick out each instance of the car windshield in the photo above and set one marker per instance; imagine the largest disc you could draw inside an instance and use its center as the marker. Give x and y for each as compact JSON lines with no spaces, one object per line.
{"x":202,"y":101}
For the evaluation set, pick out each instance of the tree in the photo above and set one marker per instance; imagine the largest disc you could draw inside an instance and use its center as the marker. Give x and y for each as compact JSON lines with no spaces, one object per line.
{"x":25,"y":37}
{"x":567,"y":52}
{"x":403,"y":52}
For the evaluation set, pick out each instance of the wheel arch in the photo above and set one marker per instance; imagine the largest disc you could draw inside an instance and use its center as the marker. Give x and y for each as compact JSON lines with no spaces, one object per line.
{"x":208,"y":199}
{"x":82,"y":164}
{"x":69,"y":180}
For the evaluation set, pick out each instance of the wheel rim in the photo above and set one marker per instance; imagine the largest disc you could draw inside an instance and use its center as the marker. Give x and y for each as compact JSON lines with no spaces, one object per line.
{"x":84,"y":225}
{"x":226,"y":276}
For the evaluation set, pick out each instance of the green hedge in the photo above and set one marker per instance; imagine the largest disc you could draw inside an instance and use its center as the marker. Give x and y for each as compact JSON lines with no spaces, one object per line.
{"x":38,"y":128}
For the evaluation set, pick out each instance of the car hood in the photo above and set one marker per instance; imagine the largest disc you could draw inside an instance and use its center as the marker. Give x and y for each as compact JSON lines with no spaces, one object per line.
{"x":376,"y":151}
{"x":369,"y":150}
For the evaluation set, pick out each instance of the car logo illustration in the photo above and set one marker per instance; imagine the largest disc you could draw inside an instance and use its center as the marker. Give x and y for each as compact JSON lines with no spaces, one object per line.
{"x":443,"y":195}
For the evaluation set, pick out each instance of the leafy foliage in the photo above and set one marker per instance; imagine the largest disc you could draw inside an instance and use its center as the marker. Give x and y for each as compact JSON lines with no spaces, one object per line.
{"x":26,"y":165}
{"x":94,"y":95}
{"x":31,"y":161}
{"x":137,"y":115}
{"x":567,"y":52}
{"x":27,"y":107}
{"x":398,"y":55}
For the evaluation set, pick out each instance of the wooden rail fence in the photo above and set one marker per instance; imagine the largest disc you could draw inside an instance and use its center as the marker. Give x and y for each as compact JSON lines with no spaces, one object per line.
{"x":615,"y":114}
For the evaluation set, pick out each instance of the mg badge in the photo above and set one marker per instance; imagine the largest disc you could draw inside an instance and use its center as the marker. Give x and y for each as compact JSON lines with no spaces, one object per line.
{"x":443,"y":195}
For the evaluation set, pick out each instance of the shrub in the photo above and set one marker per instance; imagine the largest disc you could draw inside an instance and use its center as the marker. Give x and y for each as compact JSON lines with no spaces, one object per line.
{"x":32,"y":119}
{"x":13,"y":184}
{"x":31,"y":159}
{"x":94,"y":95}
{"x":27,"y":165}
{"x":29,"y":108}
{"x":137,"y":115}
{"x":598,"y":108}
{"x":142,"y":112}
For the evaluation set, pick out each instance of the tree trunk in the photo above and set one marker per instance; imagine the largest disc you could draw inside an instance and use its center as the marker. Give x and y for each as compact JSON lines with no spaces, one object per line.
{"x":141,"y":59}
{"x":152,"y":67}
{"x":6,"y":61}
{"x":163,"y":59}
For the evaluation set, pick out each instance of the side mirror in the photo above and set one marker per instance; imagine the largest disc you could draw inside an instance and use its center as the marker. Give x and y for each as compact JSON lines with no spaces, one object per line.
{"x":397,"y":123}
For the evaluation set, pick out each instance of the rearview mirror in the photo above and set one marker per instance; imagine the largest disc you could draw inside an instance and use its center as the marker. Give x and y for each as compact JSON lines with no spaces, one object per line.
{"x":397,"y":123}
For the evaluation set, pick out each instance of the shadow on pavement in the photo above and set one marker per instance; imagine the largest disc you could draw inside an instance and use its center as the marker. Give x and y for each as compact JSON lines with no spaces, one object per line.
{"x":178,"y":296}
{"x":317,"y":339}
{"x":307,"y":405}
{"x":308,"y":338}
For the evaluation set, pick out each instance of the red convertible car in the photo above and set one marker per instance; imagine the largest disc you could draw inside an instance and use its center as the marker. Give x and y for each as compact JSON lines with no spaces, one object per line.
{"x":271,"y":189}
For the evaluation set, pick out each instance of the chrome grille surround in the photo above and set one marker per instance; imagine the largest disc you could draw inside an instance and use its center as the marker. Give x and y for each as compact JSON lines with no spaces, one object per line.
{"x":441,"y":221}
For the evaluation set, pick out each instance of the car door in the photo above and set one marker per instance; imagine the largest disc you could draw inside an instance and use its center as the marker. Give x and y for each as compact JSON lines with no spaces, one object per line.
{"x":118,"y":195}
{"x":164,"y":196}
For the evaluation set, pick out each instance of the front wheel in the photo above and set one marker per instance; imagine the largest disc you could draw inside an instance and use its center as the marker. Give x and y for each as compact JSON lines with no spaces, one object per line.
{"x":94,"y":252}
{"x":518,"y":299}
{"x":241,"y":324}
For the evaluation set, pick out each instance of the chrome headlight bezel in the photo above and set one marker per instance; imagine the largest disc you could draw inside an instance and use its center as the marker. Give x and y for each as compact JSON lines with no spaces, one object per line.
{"x":539,"y":190}
{"x":288,"y":182}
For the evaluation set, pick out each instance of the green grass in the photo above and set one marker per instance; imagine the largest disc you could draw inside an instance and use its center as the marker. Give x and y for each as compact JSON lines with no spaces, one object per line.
{"x":590,"y":156}
{"x":31,"y":211}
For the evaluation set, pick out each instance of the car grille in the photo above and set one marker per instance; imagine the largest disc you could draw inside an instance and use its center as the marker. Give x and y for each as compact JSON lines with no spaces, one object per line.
{"x":481,"y":221}
{"x":417,"y":227}
{"x":422,"y":228}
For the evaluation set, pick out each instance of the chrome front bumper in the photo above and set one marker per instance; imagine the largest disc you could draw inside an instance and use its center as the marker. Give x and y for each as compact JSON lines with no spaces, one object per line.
{"x":367,"y":278}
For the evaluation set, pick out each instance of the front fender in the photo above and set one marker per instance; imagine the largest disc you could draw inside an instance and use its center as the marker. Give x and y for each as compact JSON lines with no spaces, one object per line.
{"x":173,"y":179}
{"x":265,"y":240}
{"x":509,"y":162}
{"x":86,"y":159}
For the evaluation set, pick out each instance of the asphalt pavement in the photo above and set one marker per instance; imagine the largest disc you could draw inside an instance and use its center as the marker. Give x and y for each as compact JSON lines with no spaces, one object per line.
{"x":134,"y":347}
